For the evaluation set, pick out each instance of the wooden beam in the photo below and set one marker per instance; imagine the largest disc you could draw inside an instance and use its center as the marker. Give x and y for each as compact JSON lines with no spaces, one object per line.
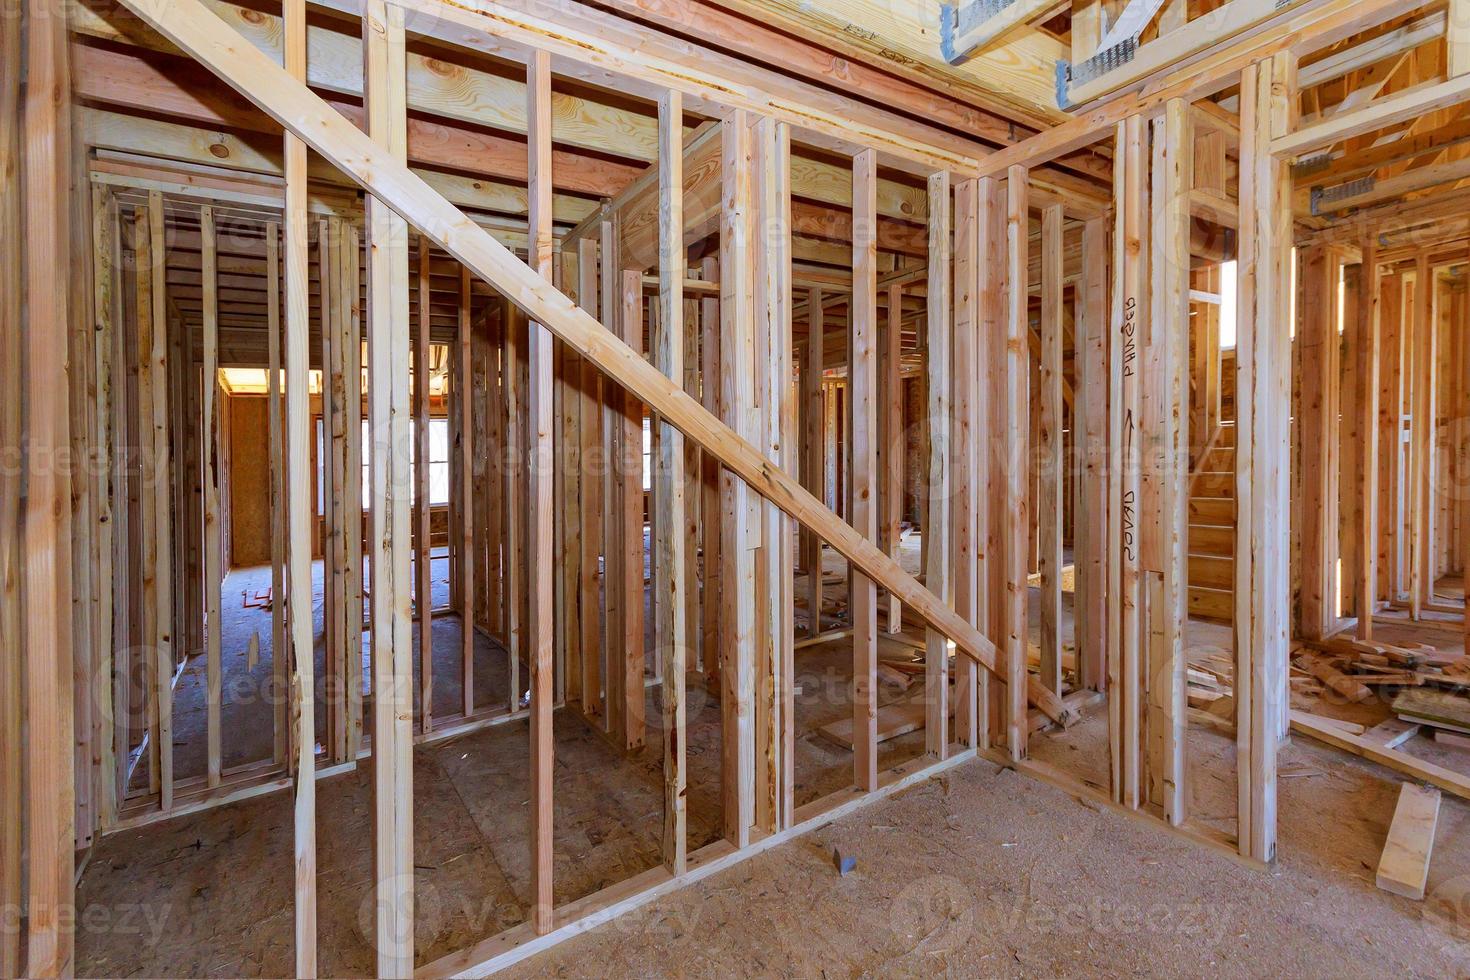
{"x":1173,"y":171}
{"x":540,"y":624}
{"x":423,"y":577}
{"x":1263,"y":356}
{"x":669,"y":525}
{"x":1403,"y":868}
{"x":299,"y":516}
{"x":1090,"y":527}
{"x":1319,"y":347}
{"x":14,"y":691}
{"x":392,"y":633}
{"x":275,"y":438}
{"x":1225,"y":23}
{"x":976,"y":26}
{"x":302,"y":112}
{"x":468,"y":445}
{"x":939,"y":519}
{"x":969,"y":429}
{"x":1124,"y":546}
{"x":737,"y":397}
{"x":1365,"y":585}
{"x":591,"y":503}
{"x":45,"y":544}
{"x":862,"y":386}
{"x":1017,"y":384}
{"x":812,"y":411}
{"x":1049,"y":453}
{"x":1422,"y":434}
{"x":629,"y":667}
{"x":1378,"y":114}
{"x":213,"y":551}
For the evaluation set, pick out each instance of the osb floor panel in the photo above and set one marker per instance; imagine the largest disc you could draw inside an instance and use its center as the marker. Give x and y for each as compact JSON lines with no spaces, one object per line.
{"x":979,"y":871}
{"x":984,"y":872}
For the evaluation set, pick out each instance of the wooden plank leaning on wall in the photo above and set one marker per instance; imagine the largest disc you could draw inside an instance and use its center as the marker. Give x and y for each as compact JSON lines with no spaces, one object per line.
{"x":385,"y":85}
{"x":45,"y":540}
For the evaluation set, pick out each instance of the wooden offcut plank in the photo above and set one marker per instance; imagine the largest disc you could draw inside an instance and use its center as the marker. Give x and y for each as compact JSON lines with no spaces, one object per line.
{"x":1403,"y":867}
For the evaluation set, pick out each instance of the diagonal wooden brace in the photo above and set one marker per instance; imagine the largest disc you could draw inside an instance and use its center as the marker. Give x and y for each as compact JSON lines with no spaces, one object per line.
{"x":198,"y":31}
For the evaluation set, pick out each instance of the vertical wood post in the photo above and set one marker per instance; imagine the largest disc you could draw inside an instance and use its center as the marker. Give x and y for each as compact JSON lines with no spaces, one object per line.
{"x":540,"y":626}
{"x":1263,"y":354}
{"x":1017,"y":387}
{"x":739,"y":540}
{"x":299,"y":513}
{"x":46,"y":528}
{"x":938,"y":524}
{"x":1049,"y":454}
{"x":384,"y":85}
{"x":213,"y":571}
{"x":1365,"y":586}
{"x":671,"y":534}
{"x":862,"y":488}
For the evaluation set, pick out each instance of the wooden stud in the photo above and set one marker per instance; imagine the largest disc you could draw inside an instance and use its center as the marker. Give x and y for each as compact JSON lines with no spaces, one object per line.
{"x":1168,"y":455}
{"x":711,"y":391}
{"x":990,"y":476}
{"x":1319,"y":347}
{"x":813,"y":353}
{"x":14,"y":690}
{"x":1124,"y":710}
{"x":299,"y":517}
{"x":1049,"y":452}
{"x":890,"y":442}
{"x":1090,"y":534}
{"x":591,"y":503}
{"x":540,"y":626}
{"x":630,"y":665}
{"x":774,"y":725}
{"x":862,"y":489}
{"x":277,"y":454}
{"x":1016,"y":384}
{"x":213,"y":552}
{"x":737,"y":401}
{"x":1262,"y":440}
{"x":45,"y":544}
{"x":938,"y":569}
{"x":384,"y":53}
{"x":160,"y":461}
{"x":1423,"y":436}
{"x":968,"y":438}
{"x":670,"y":530}
{"x":423,"y":576}
{"x":464,"y":386}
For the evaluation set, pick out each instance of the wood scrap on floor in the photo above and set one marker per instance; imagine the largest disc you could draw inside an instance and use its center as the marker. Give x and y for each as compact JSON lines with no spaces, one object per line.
{"x":1392,"y":733}
{"x":1403,"y":869}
